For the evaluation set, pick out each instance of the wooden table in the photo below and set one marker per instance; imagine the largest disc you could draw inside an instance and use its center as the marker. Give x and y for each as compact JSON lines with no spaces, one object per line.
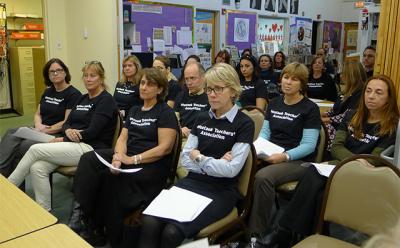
{"x":19,"y":214}
{"x":324,"y":106}
{"x":56,"y":236}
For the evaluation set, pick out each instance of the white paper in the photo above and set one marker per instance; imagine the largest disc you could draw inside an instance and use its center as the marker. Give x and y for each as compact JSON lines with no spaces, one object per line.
{"x":32,"y":134}
{"x":137,"y":48}
{"x":187,"y":52}
{"x":177,"y":50}
{"x":158,"y":45}
{"x":185,"y":28}
{"x":265,"y":148}
{"x":241,"y":32}
{"x":201,"y":243}
{"x":184,"y":37}
{"x":324,"y":169}
{"x":324,"y":104}
{"x":177,"y":204}
{"x":316,"y":100}
{"x":168,"y":35}
{"x":101,"y":159}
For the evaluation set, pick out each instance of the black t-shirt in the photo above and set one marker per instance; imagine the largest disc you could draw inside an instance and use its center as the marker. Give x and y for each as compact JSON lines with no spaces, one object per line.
{"x":143,"y":126}
{"x":370,"y":139}
{"x":287,"y":122}
{"x":96,"y":117}
{"x":369,"y":73}
{"x":173,"y":90}
{"x":252,"y":90}
{"x":189,"y":106}
{"x":321,"y":88}
{"x":127,"y":95}
{"x":217,"y":136}
{"x":53,"y":104}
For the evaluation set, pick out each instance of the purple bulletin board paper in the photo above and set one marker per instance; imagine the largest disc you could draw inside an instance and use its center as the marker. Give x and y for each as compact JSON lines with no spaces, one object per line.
{"x":174,"y":16}
{"x":231,"y":26}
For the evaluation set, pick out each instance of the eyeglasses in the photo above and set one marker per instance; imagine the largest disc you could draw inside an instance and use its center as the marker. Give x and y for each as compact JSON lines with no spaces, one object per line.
{"x":217,"y":90}
{"x":56,"y":71}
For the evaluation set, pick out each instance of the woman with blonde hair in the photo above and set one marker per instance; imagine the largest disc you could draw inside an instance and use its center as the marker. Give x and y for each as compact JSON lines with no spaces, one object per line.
{"x":90,"y":125}
{"x":126,"y":92}
{"x":213,"y":172}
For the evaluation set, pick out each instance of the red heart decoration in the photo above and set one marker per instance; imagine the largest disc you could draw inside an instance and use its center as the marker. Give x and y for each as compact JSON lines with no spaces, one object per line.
{"x":274,"y":27}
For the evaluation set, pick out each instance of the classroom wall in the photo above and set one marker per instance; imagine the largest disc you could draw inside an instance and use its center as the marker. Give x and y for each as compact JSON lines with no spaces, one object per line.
{"x":66,"y":21}
{"x":331,"y":10}
{"x":24,"y":6}
{"x":66,"y":36}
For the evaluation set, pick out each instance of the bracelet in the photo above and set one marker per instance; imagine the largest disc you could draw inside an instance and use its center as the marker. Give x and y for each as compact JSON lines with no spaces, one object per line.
{"x":287,"y":156}
{"x":140,"y":158}
{"x":135,"y":160}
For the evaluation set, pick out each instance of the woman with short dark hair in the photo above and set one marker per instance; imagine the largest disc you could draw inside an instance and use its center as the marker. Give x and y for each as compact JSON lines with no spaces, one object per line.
{"x":53,"y":109}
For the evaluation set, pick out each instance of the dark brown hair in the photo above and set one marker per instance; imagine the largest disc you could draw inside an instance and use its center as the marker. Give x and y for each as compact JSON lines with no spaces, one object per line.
{"x":46,"y":68}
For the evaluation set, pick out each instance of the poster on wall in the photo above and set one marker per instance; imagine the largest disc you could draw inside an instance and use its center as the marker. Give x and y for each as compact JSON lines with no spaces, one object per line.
{"x":203,"y":33}
{"x":294,"y":7}
{"x":270,"y":5}
{"x":271,"y":30}
{"x":282,"y":6}
{"x":332,"y":35}
{"x":241,"y":30}
{"x":255,"y":4}
{"x":241,"y":35}
{"x":300,"y":36}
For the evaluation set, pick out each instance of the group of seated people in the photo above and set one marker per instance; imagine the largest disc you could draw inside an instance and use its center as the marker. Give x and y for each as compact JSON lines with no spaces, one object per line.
{"x":205,"y":110}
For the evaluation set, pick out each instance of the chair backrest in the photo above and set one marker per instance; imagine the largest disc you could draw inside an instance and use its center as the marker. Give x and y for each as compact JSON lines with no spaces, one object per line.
{"x":396,"y":155}
{"x":175,"y":153}
{"x":118,"y":129}
{"x":258,"y":117}
{"x":363,"y":198}
{"x":322,"y":145}
{"x":246,"y":179}
{"x":392,"y":153}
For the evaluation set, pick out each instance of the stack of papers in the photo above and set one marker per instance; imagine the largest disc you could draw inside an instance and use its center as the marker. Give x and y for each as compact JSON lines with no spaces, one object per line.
{"x":324,"y":169}
{"x":177,"y":204}
{"x":265,"y":148}
{"x":33,"y":134}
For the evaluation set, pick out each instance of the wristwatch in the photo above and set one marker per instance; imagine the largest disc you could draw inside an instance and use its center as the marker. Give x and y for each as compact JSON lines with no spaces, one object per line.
{"x":199,"y":158}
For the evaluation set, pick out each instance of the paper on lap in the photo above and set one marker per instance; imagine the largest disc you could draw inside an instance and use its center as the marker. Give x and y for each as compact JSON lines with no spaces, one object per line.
{"x":177,"y":204}
{"x":101,"y":159}
{"x":32,"y":134}
{"x":265,"y":148}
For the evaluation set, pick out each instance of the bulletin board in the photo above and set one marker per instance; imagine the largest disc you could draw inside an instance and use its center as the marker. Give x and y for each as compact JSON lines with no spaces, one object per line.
{"x":241,"y":29}
{"x":147,"y":16}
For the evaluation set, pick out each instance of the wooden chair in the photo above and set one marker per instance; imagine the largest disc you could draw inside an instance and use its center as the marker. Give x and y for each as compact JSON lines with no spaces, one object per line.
{"x":232,"y":226}
{"x":69,"y":171}
{"x":364,"y":199}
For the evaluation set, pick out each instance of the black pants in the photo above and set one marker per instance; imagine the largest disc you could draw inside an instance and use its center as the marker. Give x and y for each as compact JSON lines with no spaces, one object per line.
{"x":303,"y":210}
{"x":107,"y":199}
{"x":157,"y":233}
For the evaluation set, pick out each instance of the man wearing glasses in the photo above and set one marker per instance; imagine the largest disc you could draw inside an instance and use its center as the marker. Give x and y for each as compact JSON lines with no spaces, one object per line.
{"x":191,"y":101}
